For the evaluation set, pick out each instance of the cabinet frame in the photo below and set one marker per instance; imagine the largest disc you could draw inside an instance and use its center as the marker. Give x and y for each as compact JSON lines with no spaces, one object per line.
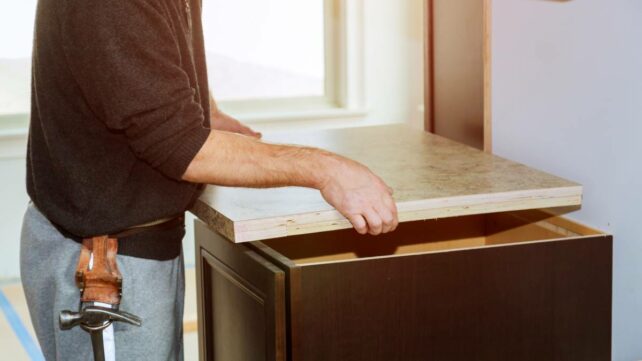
{"x":485,"y":59}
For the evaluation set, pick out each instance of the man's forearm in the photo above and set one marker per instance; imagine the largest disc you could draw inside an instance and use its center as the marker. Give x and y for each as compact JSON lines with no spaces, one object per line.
{"x":230,"y":159}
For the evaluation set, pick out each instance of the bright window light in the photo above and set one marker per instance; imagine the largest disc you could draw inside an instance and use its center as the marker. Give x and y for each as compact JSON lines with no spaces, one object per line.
{"x":258,"y":49}
{"x":16,"y":37}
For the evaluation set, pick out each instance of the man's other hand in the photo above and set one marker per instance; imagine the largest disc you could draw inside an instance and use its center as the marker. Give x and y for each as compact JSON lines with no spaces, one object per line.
{"x":224,"y":122}
{"x":361,"y":196}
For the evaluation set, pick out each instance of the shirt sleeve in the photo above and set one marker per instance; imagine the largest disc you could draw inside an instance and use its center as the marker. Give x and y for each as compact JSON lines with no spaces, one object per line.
{"x":125,"y":57}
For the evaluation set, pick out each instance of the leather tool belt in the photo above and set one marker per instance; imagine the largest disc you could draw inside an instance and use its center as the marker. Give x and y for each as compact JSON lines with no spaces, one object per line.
{"x":100,"y":284}
{"x":97,"y":274}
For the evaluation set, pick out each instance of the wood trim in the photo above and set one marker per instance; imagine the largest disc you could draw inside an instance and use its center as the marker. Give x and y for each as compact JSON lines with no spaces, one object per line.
{"x":429,"y":59}
{"x":429,"y":69}
{"x":334,"y":31}
{"x":487,"y":62}
{"x":555,"y":216}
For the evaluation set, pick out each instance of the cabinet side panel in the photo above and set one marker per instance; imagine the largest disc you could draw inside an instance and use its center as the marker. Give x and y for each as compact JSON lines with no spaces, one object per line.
{"x":582,"y":277}
{"x":537,"y":301}
{"x":458,"y":70}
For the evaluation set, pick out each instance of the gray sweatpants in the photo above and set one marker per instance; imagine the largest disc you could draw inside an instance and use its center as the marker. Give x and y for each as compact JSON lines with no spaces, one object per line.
{"x":152,"y":290}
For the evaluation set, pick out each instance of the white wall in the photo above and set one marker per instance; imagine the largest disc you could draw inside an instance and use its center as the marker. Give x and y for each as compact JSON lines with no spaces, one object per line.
{"x":393,"y":87}
{"x":567,"y":98}
{"x":13,"y":203}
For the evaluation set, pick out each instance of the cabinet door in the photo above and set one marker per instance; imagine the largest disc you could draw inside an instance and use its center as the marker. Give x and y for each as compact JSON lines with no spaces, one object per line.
{"x":241,"y":303}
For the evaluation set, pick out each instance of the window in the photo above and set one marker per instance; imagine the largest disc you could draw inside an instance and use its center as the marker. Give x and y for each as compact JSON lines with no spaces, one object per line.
{"x":16,"y":29}
{"x":264,"y":56}
{"x":265,"y":48}
{"x":270,"y":55}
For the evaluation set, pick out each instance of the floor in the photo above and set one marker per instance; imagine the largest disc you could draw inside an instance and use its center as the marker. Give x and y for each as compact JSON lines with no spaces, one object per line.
{"x":18,"y":341}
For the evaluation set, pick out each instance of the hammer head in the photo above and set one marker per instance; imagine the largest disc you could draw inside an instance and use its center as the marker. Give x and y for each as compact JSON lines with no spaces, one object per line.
{"x":69,"y":319}
{"x":93,"y":318}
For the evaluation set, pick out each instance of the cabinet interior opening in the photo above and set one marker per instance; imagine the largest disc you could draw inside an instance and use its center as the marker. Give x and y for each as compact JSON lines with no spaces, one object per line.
{"x":429,"y":236}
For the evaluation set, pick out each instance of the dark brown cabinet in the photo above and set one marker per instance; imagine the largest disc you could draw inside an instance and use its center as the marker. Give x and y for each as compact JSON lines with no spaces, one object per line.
{"x":520,"y":285}
{"x":241,"y":301}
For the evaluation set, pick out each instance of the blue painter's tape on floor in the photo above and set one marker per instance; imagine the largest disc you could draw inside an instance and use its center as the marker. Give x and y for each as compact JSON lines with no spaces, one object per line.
{"x":19,"y":329}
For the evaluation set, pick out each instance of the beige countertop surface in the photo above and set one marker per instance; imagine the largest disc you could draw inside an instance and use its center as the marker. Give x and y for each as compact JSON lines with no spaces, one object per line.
{"x":432,"y":177}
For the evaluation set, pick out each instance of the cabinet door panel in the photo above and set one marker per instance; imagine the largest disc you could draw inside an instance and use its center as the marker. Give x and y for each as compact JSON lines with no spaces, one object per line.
{"x":241,"y":302}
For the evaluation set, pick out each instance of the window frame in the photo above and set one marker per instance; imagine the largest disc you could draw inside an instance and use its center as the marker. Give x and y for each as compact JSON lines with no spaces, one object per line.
{"x":343,"y":84}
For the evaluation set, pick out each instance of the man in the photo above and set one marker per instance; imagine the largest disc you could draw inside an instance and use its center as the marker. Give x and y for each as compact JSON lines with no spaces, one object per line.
{"x":118,"y":140}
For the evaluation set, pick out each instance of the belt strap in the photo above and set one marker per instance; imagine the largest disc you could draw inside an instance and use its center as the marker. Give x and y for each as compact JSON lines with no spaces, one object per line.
{"x":151,"y":227}
{"x":97,"y":274}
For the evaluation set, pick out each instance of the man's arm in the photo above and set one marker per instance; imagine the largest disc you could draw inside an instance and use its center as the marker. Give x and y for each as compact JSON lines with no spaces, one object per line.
{"x":230,"y":159}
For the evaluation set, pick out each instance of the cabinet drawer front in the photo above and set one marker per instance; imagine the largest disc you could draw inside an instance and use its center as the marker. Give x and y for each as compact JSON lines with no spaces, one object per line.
{"x":537,"y":301}
{"x":241,"y":301}
{"x":511,"y":286}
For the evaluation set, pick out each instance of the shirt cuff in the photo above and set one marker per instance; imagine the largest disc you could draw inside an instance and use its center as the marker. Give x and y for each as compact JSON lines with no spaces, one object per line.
{"x":176,"y":165}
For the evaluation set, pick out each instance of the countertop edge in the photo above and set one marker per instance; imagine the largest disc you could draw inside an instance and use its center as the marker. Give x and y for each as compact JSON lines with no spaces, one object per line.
{"x":241,"y":231}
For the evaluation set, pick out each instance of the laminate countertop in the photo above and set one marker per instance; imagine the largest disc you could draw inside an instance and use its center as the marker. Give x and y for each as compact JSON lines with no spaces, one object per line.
{"x":432,"y":177}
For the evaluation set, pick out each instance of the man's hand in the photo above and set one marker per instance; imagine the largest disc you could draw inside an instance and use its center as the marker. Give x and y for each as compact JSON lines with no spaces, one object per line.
{"x":360,"y":196}
{"x":222,"y":121}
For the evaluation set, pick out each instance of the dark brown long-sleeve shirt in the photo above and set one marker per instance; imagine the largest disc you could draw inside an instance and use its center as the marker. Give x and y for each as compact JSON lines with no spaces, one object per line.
{"x":120,"y":103}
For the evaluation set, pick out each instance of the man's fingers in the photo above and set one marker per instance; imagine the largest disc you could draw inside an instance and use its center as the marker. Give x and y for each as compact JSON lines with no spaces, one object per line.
{"x":375,"y":225}
{"x":358,"y":223}
{"x":395,"y":223}
{"x":250,"y":132}
{"x":387,"y":219}
{"x":255,"y":134}
{"x":389,"y":202}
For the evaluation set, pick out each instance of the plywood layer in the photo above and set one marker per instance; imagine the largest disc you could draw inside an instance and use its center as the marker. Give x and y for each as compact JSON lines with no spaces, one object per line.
{"x":432,"y":177}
